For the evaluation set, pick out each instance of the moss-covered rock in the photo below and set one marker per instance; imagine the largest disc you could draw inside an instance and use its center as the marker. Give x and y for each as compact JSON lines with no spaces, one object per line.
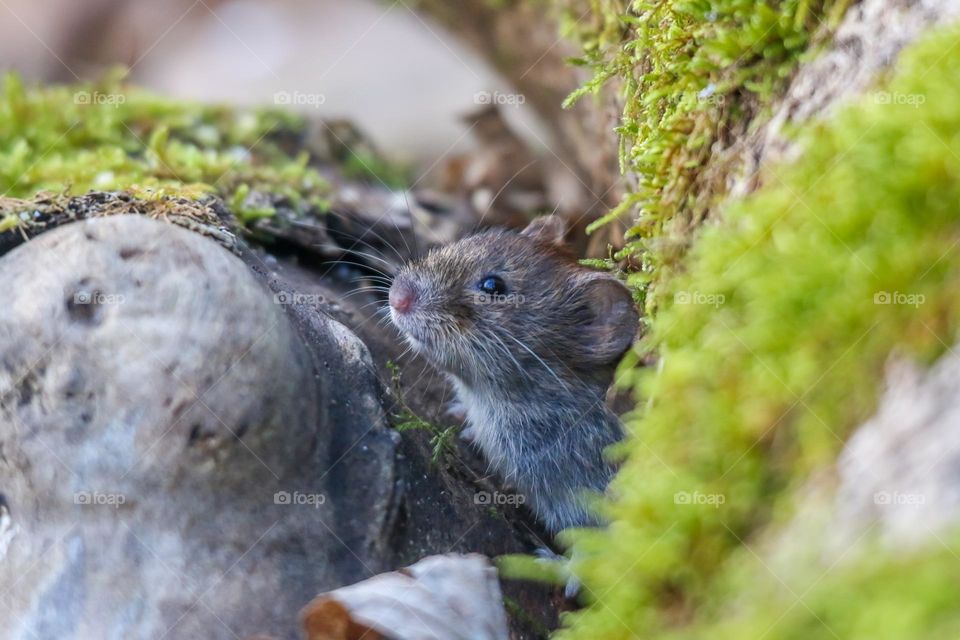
{"x":110,"y":137}
{"x":71,"y":152}
{"x":22,"y":218}
{"x":772,"y":344}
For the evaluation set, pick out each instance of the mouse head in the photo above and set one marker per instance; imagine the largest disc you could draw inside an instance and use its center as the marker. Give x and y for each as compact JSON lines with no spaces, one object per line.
{"x":503,"y":302}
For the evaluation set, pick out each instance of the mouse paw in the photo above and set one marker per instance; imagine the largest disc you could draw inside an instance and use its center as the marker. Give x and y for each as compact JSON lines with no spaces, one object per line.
{"x":468,"y":433}
{"x":456,"y":410}
{"x":548,"y":556}
{"x":572,"y":589}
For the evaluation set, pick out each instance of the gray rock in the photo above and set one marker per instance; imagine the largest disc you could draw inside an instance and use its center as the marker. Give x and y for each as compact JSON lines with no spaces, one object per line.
{"x":168,"y":444}
{"x":900,"y":472}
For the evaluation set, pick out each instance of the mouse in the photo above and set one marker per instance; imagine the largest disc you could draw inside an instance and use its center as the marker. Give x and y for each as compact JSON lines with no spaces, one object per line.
{"x":529,"y":339}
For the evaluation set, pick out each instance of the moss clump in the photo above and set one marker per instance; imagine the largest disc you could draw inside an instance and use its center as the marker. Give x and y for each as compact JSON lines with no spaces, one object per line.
{"x":110,"y":137}
{"x":404,"y":419}
{"x":367,"y":166}
{"x":773,"y":349}
{"x":692,"y":73}
{"x":26,"y":218}
{"x":871,"y":594}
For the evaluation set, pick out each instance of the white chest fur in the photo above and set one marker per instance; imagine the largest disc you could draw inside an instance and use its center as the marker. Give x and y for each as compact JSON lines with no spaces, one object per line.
{"x":486,"y":421}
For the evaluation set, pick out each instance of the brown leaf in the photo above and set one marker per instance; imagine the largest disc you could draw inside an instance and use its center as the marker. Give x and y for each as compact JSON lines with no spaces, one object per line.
{"x":326,"y":619}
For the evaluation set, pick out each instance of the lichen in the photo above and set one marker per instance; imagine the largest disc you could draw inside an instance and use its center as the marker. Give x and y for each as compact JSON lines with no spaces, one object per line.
{"x":772,"y":343}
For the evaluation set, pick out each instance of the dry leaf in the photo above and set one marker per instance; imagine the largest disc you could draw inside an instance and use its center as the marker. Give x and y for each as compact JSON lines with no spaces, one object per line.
{"x":448,"y":597}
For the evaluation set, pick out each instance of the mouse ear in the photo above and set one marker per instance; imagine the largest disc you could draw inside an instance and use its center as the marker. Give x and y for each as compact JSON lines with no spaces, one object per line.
{"x":547,"y":229}
{"x":612,"y":324}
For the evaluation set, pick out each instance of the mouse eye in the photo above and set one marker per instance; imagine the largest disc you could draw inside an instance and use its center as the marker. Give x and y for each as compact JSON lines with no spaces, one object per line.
{"x":493,"y":285}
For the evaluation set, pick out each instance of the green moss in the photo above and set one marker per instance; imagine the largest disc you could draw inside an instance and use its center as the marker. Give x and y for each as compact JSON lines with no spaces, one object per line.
{"x":25,"y":218}
{"x":362,"y":165}
{"x":692,"y":73}
{"x":773,"y":342}
{"x":442,"y":443}
{"x":111,"y":137}
{"x":874,"y":593}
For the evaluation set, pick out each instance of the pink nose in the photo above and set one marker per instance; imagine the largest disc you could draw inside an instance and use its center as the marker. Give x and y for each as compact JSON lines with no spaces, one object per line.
{"x":402,"y":296}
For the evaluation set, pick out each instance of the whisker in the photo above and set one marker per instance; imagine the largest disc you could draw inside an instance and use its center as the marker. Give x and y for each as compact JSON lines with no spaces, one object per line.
{"x":370,"y":230}
{"x":370,"y":256}
{"x":378,"y":302}
{"x":361,"y":265}
{"x":538,"y":358}
{"x":372,"y":287}
{"x":413,"y":226}
{"x":374,"y":278}
{"x":357,"y":292}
